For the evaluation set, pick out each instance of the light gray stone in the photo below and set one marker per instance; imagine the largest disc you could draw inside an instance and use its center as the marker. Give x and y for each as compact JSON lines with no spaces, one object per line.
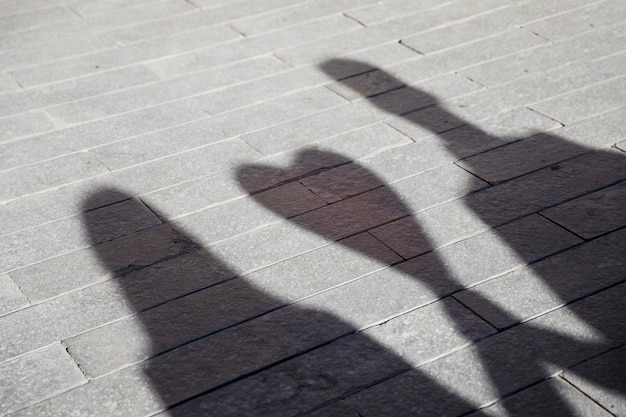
{"x":35,"y":18}
{"x":159,"y":92}
{"x":548,"y":284}
{"x":49,"y":174}
{"x":589,"y":101}
{"x":11,"y":298}
{"x":593,"y":214}
{"x":430,"y":229}
{"x":243,"y":215}
{"x":254,"y":46}
{"x":97,"y":133}
{"x":25,"y":124}
{"x":7,"y":84}
{"x":430,"y":331}
{"x":601,"y":378}
{"x":216,"y":129}
{"x":95,"y":7}
{"x":37,"y":376}
{"x":76,"y":89}
{"x":294,"y":14}
{"x":592,"y":45}
{"x":39,"y":54}
{"x":578,"y":21}
{"x":378,"y":13}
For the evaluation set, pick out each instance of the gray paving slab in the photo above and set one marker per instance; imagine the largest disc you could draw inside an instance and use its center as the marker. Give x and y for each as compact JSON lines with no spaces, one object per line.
{"x":300,"y":207}
{"x":11,"y":298}
{"x":610,"y":368}
{"x":48,"y":174}
{"x":436,"y":387}
{"x":589,"y":101}
{"x":25,"y":124}
{"x":601,"y":42}
{"x":152,"y":94}
{"x":36,"y":376}
{"x":35,"y":18}
{"x":75,"y":89}
{"x":540,"y":400}
{"x":39,"y":54}
{"x":593,"y":214}
{"x":548,"y":284}
{"x":578,"y":21}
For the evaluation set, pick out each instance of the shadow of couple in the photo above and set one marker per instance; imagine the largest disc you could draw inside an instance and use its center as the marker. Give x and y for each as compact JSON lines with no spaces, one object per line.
{"x":228,"y":346}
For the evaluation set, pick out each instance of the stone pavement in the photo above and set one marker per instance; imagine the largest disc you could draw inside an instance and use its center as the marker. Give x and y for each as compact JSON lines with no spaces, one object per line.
{"x":324,"y":208}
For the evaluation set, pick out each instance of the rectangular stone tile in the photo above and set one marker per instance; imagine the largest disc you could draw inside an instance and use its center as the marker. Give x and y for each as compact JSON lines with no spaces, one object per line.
{"x":88,"y":266}
{"x":336,"y":409}
{"x":249,"y":213}
{"x":136,"y":98}
{"x":280,"y":138}
{"x":539,"y":400}
{"x":542,"y":150}
{"x":7,"y":84}
{"x":250,"y":47}
{"x":76,"y":89}
{"x":138,"y":13}
{"x":535,"y":88}
{"x":66,"y":235}
{"x":589,"y":101}
{"x":216,"y":14}
{"x":39,"y":54}
{"x":461,"y":139}
{"x":547,"y":187}
{"x":501,"y":364}
{"x":591,"y":45}
{"x":246,"y":297}
{"x":593,"y":214}
{"x":79,"y":311}
{"x":578,"y":21}
{"x":430,"y":331}
{"x":491,"y":21}
{"x":216,"y":129}
{"x":35,"y":18}
{"x":378,"y":13}
{"x":25,"y":124}
{"x":16,"y":6}
{"x":550,"y":283}
{"x":121,"y":57}
{"x":11,"y":298}
{"x":430,"y":229}
{"x":388,"y":203}
{"x":205,"y":192}
{"x":364,"y":38}
{"x":49,"y":174}
{"x":294,"y":14}
{"x":95,"y":7}
{"x":601,"y":378}
{"x":96,"y":133}
{"x":37,"y":376}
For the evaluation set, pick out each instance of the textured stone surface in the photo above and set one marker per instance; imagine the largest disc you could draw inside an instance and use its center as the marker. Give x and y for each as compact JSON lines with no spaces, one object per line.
{"x":552,"y":397}
{"x":311,"y":207}
{"x":548,"y":284}
{"x":592,"y":214}
{"x":36,"y":376}
{"x":601,"y":378}
{"x":11,"y":298}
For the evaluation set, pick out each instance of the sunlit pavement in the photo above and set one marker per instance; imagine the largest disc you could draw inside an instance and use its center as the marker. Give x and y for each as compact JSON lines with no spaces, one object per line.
{"x":324,"y":208}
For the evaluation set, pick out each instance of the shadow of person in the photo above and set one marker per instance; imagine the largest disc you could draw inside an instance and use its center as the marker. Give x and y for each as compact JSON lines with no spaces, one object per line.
{"x":522,"y":355}
{"x":204,"y":342}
